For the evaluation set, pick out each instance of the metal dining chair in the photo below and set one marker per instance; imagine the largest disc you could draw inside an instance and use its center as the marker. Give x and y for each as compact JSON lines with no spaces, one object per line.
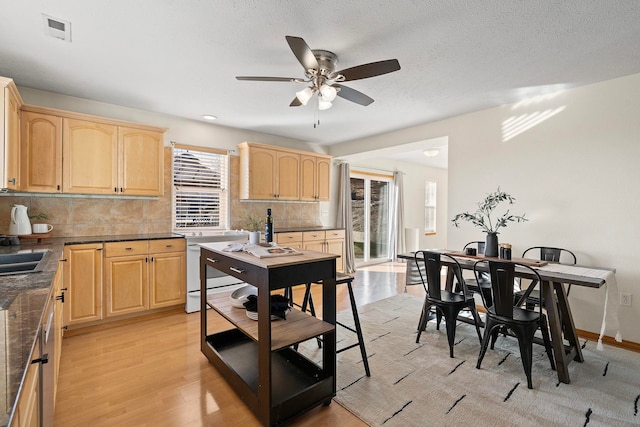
{"x":503,"y":316}
{"x":550,"y":254}
{"x":483,"y":283}
{"x":446,"y":304}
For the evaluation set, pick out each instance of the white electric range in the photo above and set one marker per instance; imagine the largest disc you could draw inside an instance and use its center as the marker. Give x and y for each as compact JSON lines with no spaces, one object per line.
{"x":217,"y":281}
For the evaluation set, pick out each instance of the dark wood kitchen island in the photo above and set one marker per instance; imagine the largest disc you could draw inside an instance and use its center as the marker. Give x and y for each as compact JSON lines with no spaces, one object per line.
{"x":257,"y":358}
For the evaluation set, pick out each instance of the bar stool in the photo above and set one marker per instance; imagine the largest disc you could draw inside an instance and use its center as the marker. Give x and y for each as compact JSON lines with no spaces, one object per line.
{"x":307,"y":305}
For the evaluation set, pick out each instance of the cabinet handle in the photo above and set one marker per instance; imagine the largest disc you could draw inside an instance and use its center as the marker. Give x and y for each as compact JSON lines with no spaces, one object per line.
{"x":115,"y":189}
{"x":12,"y":181}
{"x":121,"y":190}
{"x":153,"y":259}
{"x":128,"y":249}
{"x":146,"y":259}
{"x":60,"y":297}
{"x":58,"y":187}
{"x":44,"y":359}
{"x":168,"y":246}
{"x":212,"y":260}
{"x":98,"y":249}
{"x":237,"y":270}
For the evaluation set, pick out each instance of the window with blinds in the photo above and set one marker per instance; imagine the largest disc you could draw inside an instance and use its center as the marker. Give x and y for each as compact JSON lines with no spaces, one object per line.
{"x":200,"y":188}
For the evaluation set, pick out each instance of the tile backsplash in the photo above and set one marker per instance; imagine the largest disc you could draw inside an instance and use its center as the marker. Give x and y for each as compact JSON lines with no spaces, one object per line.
{"x":95,"y":216}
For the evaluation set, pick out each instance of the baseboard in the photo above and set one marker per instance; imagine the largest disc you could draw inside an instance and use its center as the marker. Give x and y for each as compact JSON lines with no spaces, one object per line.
{"x":122,"y":320}
{"x":627,"y":345}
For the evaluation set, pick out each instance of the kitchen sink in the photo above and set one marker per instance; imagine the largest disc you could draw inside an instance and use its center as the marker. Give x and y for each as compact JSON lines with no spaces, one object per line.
{"x":19,"y":263}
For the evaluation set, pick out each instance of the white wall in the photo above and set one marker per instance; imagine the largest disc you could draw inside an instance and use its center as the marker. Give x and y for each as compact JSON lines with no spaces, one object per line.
{"x":575,"y":175}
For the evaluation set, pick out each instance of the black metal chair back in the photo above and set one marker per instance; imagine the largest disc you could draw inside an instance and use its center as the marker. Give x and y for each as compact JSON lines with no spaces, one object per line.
{"x":479,"y":246}
{"x":551,"y":254}
{"x":503,"y":315}
{"x":447,"y":304}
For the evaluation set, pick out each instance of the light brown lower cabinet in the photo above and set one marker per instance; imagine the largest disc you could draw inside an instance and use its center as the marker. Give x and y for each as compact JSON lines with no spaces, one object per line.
{"x":83,"y":265}
{"x":144,"y":275}
{"x":327,"y":241}
{"x":27,"y":412}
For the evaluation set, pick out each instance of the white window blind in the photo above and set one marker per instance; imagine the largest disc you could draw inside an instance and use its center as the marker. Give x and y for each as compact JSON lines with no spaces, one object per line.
{"x":200,"y":189}
{"x":430,"y":207}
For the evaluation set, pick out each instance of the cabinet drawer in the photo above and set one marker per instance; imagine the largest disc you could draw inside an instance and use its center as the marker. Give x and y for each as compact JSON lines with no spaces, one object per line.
{"x":309,"y":236}
{"x":233,"y":267}
{"x":288,"y":238}
{"x":166,"y":245}
{"x":135,"y":247}
{"x":335,"y":234}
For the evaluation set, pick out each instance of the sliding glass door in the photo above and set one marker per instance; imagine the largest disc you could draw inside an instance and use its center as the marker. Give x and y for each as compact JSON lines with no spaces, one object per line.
{"x":371,"y":207}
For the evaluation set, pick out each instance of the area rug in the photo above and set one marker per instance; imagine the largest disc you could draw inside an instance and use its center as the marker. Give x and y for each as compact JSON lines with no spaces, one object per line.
{"x":419,"y":385}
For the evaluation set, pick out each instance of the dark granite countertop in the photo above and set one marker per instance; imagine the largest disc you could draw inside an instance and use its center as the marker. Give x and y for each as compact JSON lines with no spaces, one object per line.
{"x":23,"y":299}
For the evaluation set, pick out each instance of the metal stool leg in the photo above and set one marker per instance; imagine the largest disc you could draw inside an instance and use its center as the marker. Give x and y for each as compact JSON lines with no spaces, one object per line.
{"x":356,"y":320}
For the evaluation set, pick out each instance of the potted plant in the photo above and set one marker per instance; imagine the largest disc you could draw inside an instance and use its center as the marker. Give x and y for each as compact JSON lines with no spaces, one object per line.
{"x":254,"y":224}
{"x":482,"y":218}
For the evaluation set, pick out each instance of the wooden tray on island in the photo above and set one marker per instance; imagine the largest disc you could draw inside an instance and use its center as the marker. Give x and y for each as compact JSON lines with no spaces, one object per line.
{"x":525,"y":261}
{"x":35,"y":236}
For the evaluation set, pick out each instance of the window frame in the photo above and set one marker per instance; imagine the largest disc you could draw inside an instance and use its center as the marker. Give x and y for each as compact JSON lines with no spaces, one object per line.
{"x":204,"y":155}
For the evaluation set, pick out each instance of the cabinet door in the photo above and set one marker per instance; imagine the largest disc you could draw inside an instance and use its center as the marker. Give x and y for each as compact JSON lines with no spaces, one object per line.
{"x":323,"y":173}
{"x":127,"y":286}
{"x":288,"y":176}
{"x":41,"y":152}
{"x":336,"y":247}
{"x":308,"y":178}
{"x":57,"y":326}
{"x":141,"y":162}
{"x":167,"y":279}
{"x":90,"y":157}
{"x":82,"y":277}
{"x":315,"y":245}
{"x":12,"y":141}
{"x":27,"y":412}
{"x":262,"y":173}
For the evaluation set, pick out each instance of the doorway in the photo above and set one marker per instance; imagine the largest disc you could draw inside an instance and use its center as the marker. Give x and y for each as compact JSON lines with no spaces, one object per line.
{"x":371,"y":217}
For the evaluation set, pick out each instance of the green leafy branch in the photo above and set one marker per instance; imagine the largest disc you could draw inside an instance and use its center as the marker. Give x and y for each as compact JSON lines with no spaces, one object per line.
{"x":482,"y":216}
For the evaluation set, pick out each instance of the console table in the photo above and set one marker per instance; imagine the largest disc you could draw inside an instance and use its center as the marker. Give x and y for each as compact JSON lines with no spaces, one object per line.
{"x":257,"y":358}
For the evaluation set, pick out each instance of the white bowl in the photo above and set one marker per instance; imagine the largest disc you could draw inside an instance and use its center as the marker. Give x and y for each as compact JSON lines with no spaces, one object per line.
{"x":240,"y":295}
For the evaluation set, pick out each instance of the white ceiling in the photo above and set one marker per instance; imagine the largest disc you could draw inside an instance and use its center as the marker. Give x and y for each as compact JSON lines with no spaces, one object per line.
{"x":180,"y":57}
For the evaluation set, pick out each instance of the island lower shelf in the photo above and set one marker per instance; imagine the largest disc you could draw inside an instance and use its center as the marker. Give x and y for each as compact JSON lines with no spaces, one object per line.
{"x":296,"y":328}
{"x":293,"y":376}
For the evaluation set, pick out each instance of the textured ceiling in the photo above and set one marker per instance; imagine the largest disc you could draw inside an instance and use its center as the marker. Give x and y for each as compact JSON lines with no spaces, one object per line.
{"x":181,"y":57}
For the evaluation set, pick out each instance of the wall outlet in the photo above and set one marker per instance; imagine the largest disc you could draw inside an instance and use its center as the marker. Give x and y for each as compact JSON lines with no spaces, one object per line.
{"x":625,"y":300}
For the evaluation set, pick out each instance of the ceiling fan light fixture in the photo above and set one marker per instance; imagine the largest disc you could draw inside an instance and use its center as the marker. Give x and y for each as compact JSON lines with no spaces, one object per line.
{"x":328,"y":92}
{"x":304,"y":95}
{"x":324,"y":105}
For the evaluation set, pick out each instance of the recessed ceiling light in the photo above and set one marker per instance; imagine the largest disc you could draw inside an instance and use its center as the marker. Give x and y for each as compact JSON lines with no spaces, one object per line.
{"x":209,"y":117}
{"x":431,"y":152}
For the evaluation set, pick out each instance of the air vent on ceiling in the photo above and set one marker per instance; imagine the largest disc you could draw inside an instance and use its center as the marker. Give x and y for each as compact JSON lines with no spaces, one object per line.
{"x":58,"y":28}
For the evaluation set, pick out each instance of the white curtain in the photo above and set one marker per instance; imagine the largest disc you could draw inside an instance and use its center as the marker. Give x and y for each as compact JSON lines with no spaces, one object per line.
{"x":345,"y":218}
{"x":397,"y":222}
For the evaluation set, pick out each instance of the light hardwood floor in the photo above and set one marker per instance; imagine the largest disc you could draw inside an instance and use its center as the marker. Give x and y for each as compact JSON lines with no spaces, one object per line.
{"x":152,"y":373}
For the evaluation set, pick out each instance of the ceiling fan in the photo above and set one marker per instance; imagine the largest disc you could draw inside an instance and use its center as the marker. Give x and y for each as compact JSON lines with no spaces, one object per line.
{"x":320,"y":71}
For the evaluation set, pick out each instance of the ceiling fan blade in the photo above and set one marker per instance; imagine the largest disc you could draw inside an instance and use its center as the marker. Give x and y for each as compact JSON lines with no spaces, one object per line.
{"x":270,"y":79}
{"x":371,"y":69}
{"x":353,"y":95}
{"x":295,"y":103}
{"x":302,"y":51}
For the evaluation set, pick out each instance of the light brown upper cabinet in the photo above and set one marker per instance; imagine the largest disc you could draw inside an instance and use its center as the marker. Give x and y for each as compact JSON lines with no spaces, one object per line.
{"x":314,"y":178}
{"x":275,"y":173}
{"x":10,"y":103}
{"x":90,"y":157}
{"x":141,"y":162}
{"x":41,"y":152}
{"x":75,"y":153}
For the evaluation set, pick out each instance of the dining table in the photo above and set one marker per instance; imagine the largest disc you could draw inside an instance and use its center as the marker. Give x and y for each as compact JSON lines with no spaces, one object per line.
{"x":564,"y":338}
